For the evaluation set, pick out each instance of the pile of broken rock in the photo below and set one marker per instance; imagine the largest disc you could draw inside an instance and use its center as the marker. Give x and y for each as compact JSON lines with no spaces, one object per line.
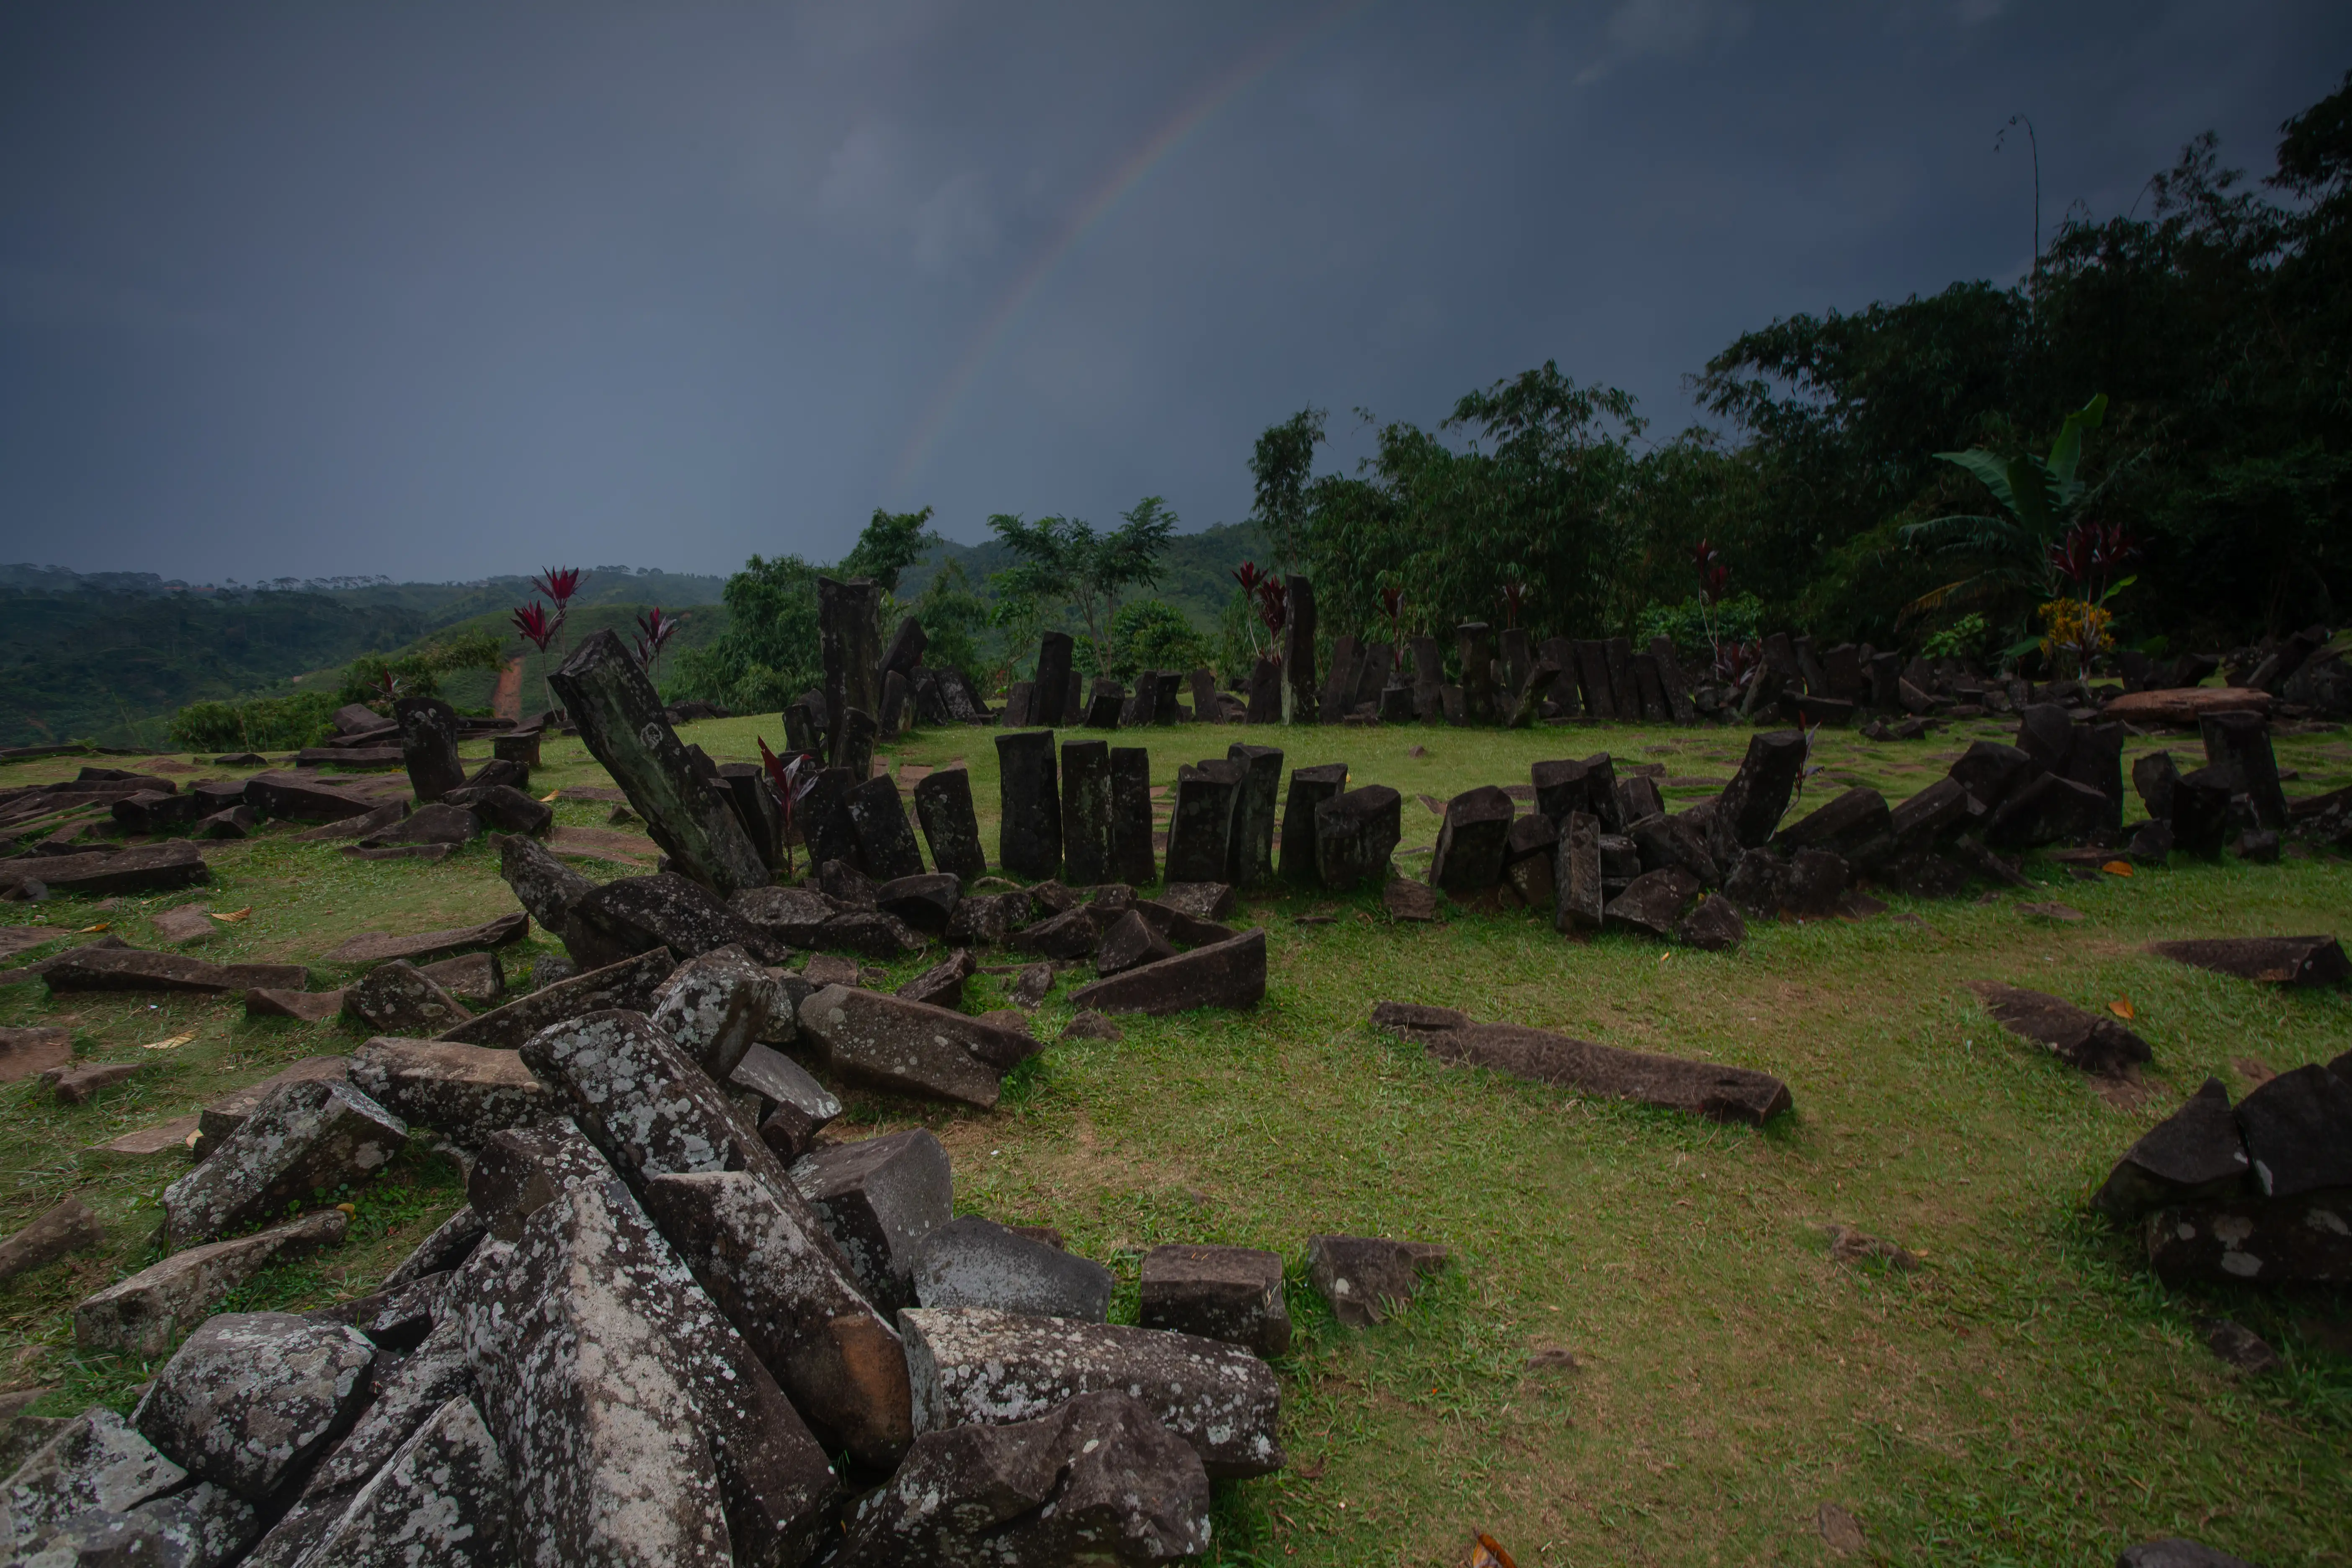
{"x":649,"y":1327}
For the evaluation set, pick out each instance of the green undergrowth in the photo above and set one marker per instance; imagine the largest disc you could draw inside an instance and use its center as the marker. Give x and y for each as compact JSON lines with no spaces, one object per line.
{"x":1644,"y":1351}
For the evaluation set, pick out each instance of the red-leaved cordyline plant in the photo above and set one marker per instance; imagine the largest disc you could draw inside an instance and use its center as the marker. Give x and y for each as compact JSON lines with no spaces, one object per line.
{"x":1714,"y":578}
{"x":559,"y":583}
{"x":654,"y":632}
{"x":1392,"y":606}
{"x":1273,"y":605}
{"x":789,"y":780}
{"x":1513,"y":596}
{"x":537,"y":626}
{"x":1735,"y":662}
{"x":1251,"y":576}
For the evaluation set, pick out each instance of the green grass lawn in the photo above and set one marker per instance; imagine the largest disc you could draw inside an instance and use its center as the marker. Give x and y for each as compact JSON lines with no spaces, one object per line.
{"x":2027,"y":1397}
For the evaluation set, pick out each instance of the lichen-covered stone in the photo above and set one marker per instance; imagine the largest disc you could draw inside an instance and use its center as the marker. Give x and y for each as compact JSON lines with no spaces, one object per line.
{"x":1230,"y":973}
{"x":1097,"y":1481}
{"x":250,"y":1397}
{"x":976,"y":1262}
{"x":971,"y":1366}
{"x":143,"y":1315}
{"x":880,"y":1198}
{"x":203,"y":1527}
{"x":637,"y":915}
{"x":441,"y":1500}
{"x":395,"y":998}
{"x":630,"y":985}
{"x":1364,"y":1277}
{"x":635,"y":1425}
{"x":464,"y":1092}
{"x":716,"y":1006}
{"x":97,"y":1461}
{"x":911,"y":1047}
{"x":783,"y":1285}
{"x":304,"y":1135}
{"x":449,"y":1245}
{"x":795,"y":1106}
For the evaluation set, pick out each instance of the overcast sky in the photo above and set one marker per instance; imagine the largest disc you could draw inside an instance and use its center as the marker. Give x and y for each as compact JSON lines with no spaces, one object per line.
{"x":440,"y":290}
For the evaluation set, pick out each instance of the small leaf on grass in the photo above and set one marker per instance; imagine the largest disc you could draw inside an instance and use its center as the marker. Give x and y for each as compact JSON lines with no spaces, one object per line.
{"x":2122,"y":1008}
{"x":1487,"y":1552}
{"x":173,"y":1044}
{"x":550,"y":795}
{"x":235,"y":915}
{"x":87,"y":929}
{"x":2117,"y":868}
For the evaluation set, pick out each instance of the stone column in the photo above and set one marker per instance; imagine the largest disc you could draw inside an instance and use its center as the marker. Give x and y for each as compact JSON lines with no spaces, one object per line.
{"x":1266,"y":690}
{"x":1338,"y":695}
{"x":1029,"y":838}
{"x":1051,"y":693}
{"x":850,"y":641}
{"x":1132,"y":857}
{"x":620,"y":719}
{"x":1250,"y":859}
{"x":1298,"y":653}
{"x":1086,"y":812}
{"x":886,"y":840}
{"x":1200,"y":832}
{"x":1309,"y":788}
{"x":951,"y":827}
{"x":1475,"y":645}
{"x":1428,"y":681}
{"x":428,"y":746}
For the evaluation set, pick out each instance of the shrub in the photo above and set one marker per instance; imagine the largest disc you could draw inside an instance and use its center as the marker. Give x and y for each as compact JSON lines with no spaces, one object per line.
{"x":1739,"y":620}
{"x":1151,"y":634}
{"x":265,"y":723}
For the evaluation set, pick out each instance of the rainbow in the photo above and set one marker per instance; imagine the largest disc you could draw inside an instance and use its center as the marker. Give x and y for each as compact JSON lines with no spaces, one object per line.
{"x":1221,"y":91}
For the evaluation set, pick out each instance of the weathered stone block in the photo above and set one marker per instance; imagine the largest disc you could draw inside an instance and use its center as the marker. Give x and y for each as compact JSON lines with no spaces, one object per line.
{"x":885,"y":839}
{"x":464,"y":1092}
{"x":1366,"y":1277}
{"x":1029,"y":842}
{"x":976,"y":1262}
{"x":97,"y":1460}
{"x":1228,"y":1293}
{"x":1229,"y":974}
{"x":880,"y":1198}
{"x":636,"y":914}
{"x":715,"y":1006}
{"x":1202,"y":827}
{"x":396,"y":999}
{"x":911,"y":1047}
{"x":304,"y":1135}
{"x":630,"y":985}
{"x":143,"y":1315}
{"x":251,"y":1397}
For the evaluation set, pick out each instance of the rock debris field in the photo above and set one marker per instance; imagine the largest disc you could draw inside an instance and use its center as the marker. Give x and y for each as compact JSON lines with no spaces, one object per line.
{"x":693,"y":1199}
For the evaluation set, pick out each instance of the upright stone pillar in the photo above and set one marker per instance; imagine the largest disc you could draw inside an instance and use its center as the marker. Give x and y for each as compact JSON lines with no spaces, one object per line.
{"x":1309,"y":788}
{"x":1052,"y":692}
{"x":1678,"y":683}
{"x":1475,"y":648}
{"x":1560,"y":654}
{"x":1131,"y":859}
{"x":1338,"y":697}
{"x":823,"y":817}
{"x":428,"y":746}
{"x":886,"y":840}
{"x":849,"y":639}
{"x":951,"y":827}
{"x":605,"y":691}
{"x":905,"y":654}
{"x":1299,"y":652}
{"x":1428,"y":682}
{"x":853,"y":743}
{"x":1200,"y":831}
{"x":1206,"y":709}
{"x":1618,"y":654}
{"x":1266,"y":690}
{"x":1143,"y":708}
{"x":1172,"y":696}
{"x":1029,"y":837}
{"x":897,"y":707}
{"x":1593,"y":679}
{"x":1086,"y":812}
{"x":1250,"y":859}
{"x":2242,"y":742}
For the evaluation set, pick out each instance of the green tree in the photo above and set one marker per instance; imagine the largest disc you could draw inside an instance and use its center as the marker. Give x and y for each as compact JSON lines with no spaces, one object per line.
{"x":1283,"y":465}
{"x":1064,"y":565}
{"x":889,"y":543}
{"x":769,"y":654}
{"x":951,"y":615}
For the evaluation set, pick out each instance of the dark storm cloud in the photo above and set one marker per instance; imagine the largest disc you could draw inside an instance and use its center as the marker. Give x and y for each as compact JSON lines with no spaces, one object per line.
{"x":442,"y":291}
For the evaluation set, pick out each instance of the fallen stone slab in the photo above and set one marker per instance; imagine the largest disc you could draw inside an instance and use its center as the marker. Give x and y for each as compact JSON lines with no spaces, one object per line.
{"x":607,"y":694}
{"x":470,"y":977}
{"x":25,"y":1052}
{"x":925,"y":901}
{"x":970,"y":1366}
{"x":2298,"y":1129}
{"x":637,"y":915}
{"x":442,"y":1499}
{"x":2046,"y":810}
{"x":249,"y":1398}
{"x":432,"y":852}
{"x":1096,"y":1479}
{"x":382,"y":947}
{"x":1202,"y":900}
{"x":204,"y":1524}
{"x":1712,"y":1089}
{"x":870,"y":933}
{"x":229,"y":1112}
{"x":303,"y":1136}
{"x":438,"y":825}
{"x":635,"y":1425}
{"x":303,"y":1007}
{"x":1713,"y":925}
{"x":2184,"y":706}
{"x":464,"y":1092}
{"x":2176,"y":1551}
{"x":1405,"y":899}
{"x":63,"y":1229}
{"x":1654,"y":903}
{"x":1181,"y":928}
{"x":98,"y":1460}
{"x":95,"y":968}
{"x":1068,"y":936}
{"x":2305,"y":1239}
{"x":1130,"y":942}
{"x":370,"y":821}
{"x":503,"y":808}
{"x":910,"y":1047}
{"x":2273,"y":960}
{"x":716,"y":1006}
{"x":2194,"y":1154}
{"x":787,"y":917}
{"x":629,"y":985}
{"x":299,"y":799}
{"x":1228,"y":1293}
{"x":545,"y":886}
{"x":795,"y":1106}
{"x":1750,"y":807}
{"x":79,"y":1085}
{"x":976,"y":1262}
{"x":2094,"y":1042}
{"x":173,"y":1134}
{"x":1365,"y":1278}
{"x":880,"y":1198}
{"x":187,"y":923}
{"x":1229,"y":974}
{"x":396,"y":999}
{"x":779,"y":1280}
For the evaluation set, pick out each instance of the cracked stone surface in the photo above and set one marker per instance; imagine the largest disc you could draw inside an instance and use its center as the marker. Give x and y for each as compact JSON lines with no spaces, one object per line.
{"x":98,"y":1462}
{"x":716,"y":1006}
{"x":304,"y":1135}
{"x":441,"y":1500}
{"x":250,"y":1397}
{"x":971,"y":1366}
{"x":143,"y":1315}
{"x":464,"y":1092}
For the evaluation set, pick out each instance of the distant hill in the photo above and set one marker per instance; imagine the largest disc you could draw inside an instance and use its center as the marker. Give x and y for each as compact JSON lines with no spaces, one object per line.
{"x":110,"y":657}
